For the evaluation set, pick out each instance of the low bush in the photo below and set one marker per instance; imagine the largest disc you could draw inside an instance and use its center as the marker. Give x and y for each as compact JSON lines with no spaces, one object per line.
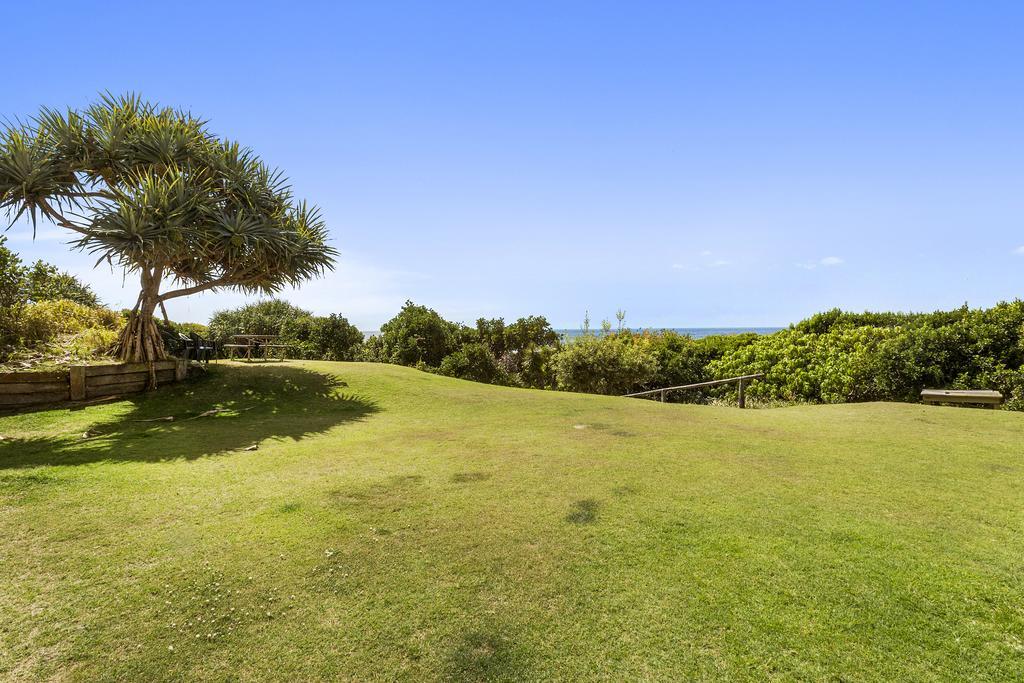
{"x":474,"y":361}
{"x":95,"y":342}
{"x":418,"y":335}
{"x":606,"y":364}
{"x":334,"y":338}
{"x":800,"y":366}
{"x":831,"y":357}
{"x":43,"y":321}
{"x":22,"y":286}
{"x":58,"y":333}
{"x":836,"y":356}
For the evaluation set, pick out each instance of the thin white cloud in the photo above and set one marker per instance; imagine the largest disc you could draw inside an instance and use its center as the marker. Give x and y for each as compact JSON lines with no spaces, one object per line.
{"x":826,"y":262}
{"x":1019,"y":250}
{"x":705,"y":262}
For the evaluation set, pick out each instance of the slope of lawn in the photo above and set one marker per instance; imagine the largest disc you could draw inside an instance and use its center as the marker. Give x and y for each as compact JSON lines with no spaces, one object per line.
{"x":393,"y":524}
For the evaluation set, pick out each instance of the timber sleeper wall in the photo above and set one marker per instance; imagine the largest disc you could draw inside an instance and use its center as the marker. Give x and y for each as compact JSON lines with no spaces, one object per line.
{"x":84,"y":381}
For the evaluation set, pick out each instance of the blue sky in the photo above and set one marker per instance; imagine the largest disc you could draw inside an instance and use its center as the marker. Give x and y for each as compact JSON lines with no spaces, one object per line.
{"x":694,"y":164}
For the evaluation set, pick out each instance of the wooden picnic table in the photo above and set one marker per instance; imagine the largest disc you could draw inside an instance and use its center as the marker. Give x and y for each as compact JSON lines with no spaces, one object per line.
{"x":254,"y":342}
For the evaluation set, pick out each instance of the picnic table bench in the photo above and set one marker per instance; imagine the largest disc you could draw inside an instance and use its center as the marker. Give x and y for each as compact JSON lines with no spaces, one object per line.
{"x":984,"y":397}
{"x":252,"y":344}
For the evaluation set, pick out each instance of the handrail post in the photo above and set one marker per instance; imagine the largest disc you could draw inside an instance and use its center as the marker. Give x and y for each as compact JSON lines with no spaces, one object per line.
{"x":713,"y":383}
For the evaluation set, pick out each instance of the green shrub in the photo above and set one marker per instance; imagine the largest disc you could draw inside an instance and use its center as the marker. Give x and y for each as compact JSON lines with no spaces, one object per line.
{"x":685,"y":360}
{"x":474,"y":361}
{"x":265,"y":317}
{"x":12,"y":298}
{"x":831,"y":357}
{"x":372,"y":350}
{"x":334,"y":338}
{"x":43,"y":321}
{"x":95,"y":342}
{"x":46,"y":282}
{"x":306,"y":335}
{"x":837,"y":356}
{"x":21,"y":286}
{"x":609,"y":364}
{"x":533,"y":367}
{"x":418,"y":336}
{"x":800,"y":366}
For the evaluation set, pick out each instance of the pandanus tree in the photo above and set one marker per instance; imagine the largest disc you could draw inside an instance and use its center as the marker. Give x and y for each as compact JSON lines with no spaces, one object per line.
{"x":151,"y":191}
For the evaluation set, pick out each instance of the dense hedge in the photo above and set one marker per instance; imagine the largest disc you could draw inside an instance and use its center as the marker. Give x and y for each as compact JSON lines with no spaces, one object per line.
{"x":836,"y":357}
{"x":831,"y":357}
{"x":516,"y":354}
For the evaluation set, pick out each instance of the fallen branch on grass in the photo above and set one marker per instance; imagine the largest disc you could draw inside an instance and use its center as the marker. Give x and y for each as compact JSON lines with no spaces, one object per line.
{"x":217,"y":411}
{"x":89,"y":434}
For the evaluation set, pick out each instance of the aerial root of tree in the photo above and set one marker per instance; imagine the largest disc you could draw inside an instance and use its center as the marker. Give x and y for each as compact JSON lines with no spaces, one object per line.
{"x":141,"y":342}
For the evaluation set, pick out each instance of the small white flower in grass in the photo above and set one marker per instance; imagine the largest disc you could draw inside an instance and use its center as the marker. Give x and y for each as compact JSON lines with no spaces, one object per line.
{"x":171,"y":648}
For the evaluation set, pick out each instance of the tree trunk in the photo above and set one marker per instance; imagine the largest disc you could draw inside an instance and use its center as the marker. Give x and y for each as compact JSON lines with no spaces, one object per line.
{"x":140,"y":340}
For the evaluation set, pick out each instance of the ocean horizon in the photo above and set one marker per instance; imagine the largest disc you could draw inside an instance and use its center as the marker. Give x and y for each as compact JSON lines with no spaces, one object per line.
{"x":695,"y":332}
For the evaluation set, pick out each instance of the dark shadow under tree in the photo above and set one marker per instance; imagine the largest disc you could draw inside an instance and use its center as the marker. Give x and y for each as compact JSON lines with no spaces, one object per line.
{"x":253,"y":404}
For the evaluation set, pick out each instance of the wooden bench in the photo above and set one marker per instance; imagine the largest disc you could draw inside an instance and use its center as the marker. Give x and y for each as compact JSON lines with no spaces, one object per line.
{"x":984,"y":397}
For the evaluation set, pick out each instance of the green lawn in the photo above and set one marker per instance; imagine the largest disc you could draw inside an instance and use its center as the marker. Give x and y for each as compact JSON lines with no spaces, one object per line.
{"x":398,"y":525}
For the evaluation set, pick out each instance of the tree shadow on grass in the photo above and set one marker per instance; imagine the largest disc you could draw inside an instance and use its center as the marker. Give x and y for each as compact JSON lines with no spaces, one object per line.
{"x":489,"y":653}
{"x":253,"y":404}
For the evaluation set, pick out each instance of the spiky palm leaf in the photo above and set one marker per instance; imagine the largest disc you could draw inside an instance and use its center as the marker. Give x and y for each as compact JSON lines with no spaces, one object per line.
{"x":151,"y":190}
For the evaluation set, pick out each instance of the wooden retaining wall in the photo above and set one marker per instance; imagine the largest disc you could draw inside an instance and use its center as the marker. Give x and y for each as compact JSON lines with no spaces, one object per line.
{"x":82,"y":382}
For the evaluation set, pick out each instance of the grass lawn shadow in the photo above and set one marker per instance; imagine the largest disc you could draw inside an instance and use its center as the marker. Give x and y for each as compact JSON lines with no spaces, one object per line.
{"x":583,"y":512}
{"x":489,"y":654}
{"x":252,"y":404}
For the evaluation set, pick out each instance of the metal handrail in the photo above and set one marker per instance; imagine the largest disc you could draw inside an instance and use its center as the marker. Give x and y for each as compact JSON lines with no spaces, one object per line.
{"x":742,"y":379}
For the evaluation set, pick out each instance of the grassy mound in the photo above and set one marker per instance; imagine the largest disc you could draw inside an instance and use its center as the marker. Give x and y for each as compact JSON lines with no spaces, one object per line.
{"x":395,"y":524}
